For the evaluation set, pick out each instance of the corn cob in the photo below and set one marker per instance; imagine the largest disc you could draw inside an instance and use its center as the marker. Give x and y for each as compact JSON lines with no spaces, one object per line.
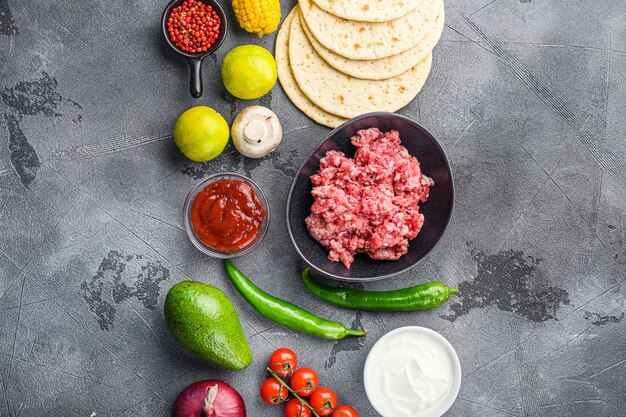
{"x":257,"y":16}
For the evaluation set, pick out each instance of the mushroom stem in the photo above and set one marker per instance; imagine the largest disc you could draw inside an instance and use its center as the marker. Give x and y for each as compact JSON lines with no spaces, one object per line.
{"x":255,"y":131}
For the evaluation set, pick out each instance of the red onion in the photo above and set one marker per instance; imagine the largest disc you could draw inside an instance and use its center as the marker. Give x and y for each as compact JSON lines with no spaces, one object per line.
{"x":209,"y":398}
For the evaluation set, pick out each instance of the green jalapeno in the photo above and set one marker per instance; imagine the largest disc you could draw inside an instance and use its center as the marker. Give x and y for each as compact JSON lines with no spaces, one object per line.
{"x":420,"y":297}
{"x":285,"y":313}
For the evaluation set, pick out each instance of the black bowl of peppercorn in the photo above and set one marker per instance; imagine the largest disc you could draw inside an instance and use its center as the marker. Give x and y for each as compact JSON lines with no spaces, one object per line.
{"x":194,"y":29}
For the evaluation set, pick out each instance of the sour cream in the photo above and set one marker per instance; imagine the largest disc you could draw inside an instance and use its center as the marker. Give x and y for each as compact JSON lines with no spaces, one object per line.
{"x":412,"y":372}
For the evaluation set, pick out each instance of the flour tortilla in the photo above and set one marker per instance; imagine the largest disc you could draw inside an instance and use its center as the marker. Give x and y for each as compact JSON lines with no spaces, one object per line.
{"x":365,"y":40}
{"x":290,"y":85}
{"x":343,"y":95}
{"x":369,"y":10}
{"x":381,"y":69}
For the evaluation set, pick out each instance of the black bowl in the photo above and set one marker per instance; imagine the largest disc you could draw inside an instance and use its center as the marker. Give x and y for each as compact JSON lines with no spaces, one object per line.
{"x":195,"y":60}
{"x":437,"y":210}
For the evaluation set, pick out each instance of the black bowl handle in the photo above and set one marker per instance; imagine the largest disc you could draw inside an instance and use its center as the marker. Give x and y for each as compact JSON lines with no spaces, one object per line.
{"x":195,"y":83}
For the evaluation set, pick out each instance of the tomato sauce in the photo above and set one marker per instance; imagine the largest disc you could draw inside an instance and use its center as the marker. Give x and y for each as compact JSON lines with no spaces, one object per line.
{"x":227,"y":215}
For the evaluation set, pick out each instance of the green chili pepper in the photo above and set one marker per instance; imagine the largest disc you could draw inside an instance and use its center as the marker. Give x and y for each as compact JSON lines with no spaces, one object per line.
{"x":285,"y":313}
{"x":420,"y":297}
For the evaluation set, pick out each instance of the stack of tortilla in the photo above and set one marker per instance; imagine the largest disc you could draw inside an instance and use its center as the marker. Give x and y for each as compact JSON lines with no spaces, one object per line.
{"x":338,"y":59}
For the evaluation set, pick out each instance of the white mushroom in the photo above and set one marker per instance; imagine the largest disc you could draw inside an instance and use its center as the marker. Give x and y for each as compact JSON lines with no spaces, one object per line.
{"x":256,"y":131}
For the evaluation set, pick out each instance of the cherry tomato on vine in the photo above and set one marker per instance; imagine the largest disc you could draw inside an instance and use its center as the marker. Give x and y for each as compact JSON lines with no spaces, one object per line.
{"x":294,"y":409}
{"x":304,"y":381}
{"x":272,"y":392}
{"x":324,"y":401}
{"x":283,"y":361}
{"x":345,"y":411}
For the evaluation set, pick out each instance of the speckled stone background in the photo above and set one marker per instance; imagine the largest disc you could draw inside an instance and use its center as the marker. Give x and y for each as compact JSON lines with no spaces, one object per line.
{"x":528,"y":97}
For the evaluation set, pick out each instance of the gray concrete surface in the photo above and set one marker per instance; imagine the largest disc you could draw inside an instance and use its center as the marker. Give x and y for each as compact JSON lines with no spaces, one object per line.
{"x":527,"y":97}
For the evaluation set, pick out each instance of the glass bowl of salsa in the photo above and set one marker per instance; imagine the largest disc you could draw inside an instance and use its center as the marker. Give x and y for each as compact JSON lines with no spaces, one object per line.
{"x":226,"y":215}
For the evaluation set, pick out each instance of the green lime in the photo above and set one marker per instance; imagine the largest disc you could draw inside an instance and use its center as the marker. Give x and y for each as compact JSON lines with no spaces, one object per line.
{"x":201,"y":133}
{"x":249,"y":71}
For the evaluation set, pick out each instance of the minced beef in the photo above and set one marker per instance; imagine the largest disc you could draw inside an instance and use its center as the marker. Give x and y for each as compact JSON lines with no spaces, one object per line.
{"x":369,"y":203}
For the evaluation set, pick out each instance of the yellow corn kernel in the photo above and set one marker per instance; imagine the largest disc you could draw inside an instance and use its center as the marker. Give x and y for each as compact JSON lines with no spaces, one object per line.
{"x":257,"y":16}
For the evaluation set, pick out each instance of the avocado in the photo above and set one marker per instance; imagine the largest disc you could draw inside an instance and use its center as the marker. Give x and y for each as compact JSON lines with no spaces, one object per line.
{"x":204,"y":321}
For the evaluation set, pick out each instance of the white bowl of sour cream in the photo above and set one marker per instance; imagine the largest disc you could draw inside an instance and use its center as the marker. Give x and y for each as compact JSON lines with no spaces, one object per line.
{"x":412,"y":372}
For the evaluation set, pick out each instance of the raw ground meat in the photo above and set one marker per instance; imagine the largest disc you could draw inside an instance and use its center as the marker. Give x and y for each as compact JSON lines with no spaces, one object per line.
{"x":369,"y":203}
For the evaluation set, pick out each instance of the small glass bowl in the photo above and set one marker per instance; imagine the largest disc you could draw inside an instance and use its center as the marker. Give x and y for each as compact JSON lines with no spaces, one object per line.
{"x":203,"y":247}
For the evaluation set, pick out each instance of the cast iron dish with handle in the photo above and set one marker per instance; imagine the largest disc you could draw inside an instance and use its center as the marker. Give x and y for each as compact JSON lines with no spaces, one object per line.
{"x":195,"y":60}
{"x":437,"y":210}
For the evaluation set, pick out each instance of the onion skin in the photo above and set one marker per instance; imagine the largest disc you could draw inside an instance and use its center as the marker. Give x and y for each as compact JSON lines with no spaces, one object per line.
{"x":194,"y":401}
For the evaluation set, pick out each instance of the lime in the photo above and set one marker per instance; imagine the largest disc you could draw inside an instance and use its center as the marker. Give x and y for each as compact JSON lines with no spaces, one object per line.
{"x":249,"y":71}
{"x":201,"y":133}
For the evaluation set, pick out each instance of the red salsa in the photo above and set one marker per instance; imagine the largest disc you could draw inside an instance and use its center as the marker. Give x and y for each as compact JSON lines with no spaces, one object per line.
{"x":193,"y":26}
{"x":227,"y":215}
